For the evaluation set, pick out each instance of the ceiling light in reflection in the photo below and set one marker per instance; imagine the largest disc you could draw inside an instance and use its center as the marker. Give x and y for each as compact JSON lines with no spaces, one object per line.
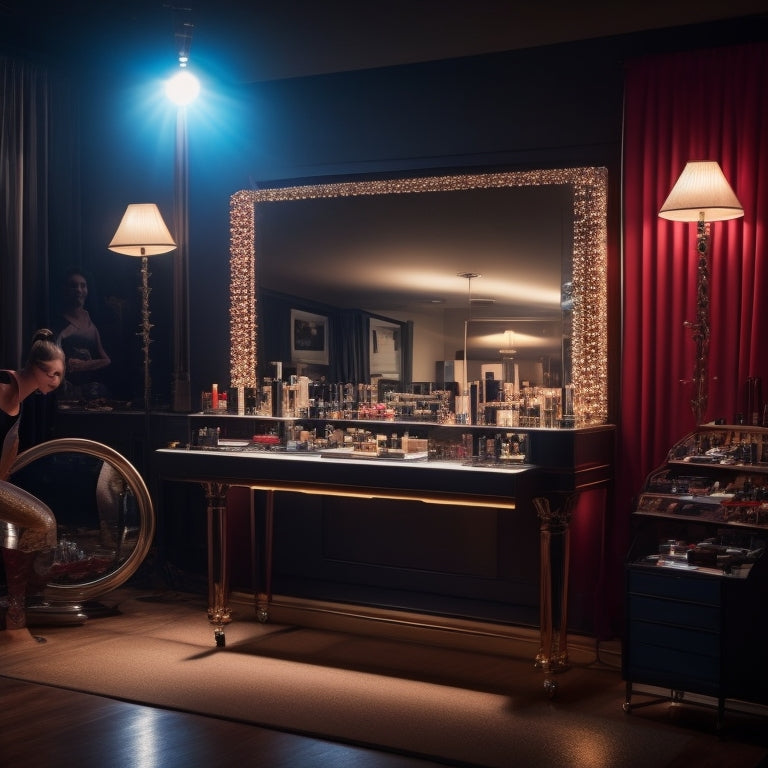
{"x":522,"y":341}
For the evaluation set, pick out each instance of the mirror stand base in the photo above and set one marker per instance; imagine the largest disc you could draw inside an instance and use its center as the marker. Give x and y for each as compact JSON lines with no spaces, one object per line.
{"x":44,"y":614}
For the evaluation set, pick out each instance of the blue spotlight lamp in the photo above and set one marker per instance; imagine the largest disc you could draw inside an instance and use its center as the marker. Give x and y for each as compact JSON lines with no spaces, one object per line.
{"x":143,"y":233}
{"x":183,"y":88}
{"x":701,"y":194}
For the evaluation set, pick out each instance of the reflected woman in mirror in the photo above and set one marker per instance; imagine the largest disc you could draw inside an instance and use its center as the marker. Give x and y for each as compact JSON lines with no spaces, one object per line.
{"x":27,"y":526}
{"x":81,"y":342}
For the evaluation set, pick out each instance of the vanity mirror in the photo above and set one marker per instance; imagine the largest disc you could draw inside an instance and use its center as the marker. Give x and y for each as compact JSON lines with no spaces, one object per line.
{"x":534,"y":243}
{"x":104,"y":513}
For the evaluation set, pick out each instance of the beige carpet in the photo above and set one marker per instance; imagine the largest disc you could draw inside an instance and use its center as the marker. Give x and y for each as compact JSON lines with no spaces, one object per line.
{"x":446,"y":704}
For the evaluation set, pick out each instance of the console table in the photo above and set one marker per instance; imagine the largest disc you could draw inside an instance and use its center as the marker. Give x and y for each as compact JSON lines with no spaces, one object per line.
{"x":578,"y":460}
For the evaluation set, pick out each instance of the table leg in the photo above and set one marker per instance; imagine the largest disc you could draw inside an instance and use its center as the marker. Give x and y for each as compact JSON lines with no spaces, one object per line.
{"x":555,"y":556}
{"x":264,"y":598}
{"x":218,"y":565}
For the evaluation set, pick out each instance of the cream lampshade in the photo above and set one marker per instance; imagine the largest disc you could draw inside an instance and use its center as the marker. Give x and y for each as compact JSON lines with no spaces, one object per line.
{"x":701,"y":189}
{"x":142,"y":232}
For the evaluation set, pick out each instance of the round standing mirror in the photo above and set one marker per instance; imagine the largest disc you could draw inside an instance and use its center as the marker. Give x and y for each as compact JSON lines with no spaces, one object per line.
{"x":103,"y":510}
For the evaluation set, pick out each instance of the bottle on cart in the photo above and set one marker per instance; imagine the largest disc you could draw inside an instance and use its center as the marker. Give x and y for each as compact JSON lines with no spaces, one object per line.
{"x":753,"y":401}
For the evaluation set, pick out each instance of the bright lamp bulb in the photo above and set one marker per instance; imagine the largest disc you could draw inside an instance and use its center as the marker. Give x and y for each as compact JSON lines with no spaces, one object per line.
{"x":183,"y":88}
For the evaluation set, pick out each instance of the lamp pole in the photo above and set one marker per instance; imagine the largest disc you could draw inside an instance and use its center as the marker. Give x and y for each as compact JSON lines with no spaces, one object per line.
{"x":700,"y":328}
{"x":182,"y":401}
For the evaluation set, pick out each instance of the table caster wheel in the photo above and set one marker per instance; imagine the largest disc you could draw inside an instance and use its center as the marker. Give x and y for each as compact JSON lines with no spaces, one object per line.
{"x":550,"y":687}
{"x":221,"y":640}
{"x":262,"y":614}
{"x":627,"y":707}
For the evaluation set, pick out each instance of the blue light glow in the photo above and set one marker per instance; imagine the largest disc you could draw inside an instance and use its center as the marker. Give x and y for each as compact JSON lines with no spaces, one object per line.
{"x":183,"y":88}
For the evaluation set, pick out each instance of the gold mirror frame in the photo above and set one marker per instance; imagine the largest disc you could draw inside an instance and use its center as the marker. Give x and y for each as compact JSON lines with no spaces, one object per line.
{"x":589,"y":328}
{"x":65,"y":593}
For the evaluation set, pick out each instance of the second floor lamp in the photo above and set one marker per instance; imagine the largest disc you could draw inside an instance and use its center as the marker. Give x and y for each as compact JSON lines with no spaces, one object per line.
{"x":702,"y":194}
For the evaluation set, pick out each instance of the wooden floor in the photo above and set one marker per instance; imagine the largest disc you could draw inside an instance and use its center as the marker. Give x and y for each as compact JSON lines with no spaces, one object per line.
{"x":46,"y":727}
{"x":42,"y":726}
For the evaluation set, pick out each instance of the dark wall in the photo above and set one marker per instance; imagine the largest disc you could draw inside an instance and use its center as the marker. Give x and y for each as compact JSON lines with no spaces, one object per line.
{"x":536,"y":109}
{"x":553,"y":106}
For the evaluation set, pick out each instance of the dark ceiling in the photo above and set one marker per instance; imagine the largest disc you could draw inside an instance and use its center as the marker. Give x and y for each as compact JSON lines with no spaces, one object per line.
{"x":252,"y":40}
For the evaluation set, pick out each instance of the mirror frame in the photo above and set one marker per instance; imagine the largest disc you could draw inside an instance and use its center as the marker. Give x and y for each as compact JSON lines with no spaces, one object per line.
{"x":126,"y":569}
{"x":589,"y":317}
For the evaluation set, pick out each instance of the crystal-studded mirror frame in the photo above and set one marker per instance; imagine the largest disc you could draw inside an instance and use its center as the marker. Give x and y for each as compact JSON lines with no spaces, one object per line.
{"x":589,"y":332}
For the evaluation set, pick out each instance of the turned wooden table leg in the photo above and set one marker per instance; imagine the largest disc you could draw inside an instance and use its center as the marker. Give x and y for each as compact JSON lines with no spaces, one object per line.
{"x":218,"y":566}
{"x":555,"y":555}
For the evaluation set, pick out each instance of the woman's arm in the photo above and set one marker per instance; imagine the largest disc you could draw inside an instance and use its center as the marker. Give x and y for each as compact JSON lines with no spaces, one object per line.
{"x":101,"y":360}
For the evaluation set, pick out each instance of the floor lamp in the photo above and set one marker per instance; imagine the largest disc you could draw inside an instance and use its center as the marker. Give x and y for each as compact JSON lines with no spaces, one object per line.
{"x":142,"y":233}
{"x":701,"y":194}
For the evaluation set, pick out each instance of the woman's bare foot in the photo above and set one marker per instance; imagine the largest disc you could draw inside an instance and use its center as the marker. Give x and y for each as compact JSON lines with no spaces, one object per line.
{"x":22,"y":635}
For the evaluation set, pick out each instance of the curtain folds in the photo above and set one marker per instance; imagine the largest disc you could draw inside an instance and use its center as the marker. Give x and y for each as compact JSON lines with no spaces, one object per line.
{"x":349,"y":348}
{"x":23,"y":201}
{"x":702,"y":105}
{"x":39,"y":163}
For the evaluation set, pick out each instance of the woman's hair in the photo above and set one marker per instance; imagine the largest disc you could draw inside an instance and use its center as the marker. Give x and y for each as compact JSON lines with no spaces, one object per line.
{"x":44,"y":348}
{"x":72,"y":271}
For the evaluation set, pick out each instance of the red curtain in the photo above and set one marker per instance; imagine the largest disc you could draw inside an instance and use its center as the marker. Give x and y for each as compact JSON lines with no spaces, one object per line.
{"x":702,"y":105}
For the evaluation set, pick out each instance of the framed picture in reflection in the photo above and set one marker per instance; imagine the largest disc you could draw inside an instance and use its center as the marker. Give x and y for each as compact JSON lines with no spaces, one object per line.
{"x":385,"y":349}
{"x":309,"y":338}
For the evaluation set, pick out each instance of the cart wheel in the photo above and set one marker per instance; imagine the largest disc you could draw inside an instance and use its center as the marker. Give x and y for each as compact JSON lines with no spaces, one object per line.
{"x":550,"y":687}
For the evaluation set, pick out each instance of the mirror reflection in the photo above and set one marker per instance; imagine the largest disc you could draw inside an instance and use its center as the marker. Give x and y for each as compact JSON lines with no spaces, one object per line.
{"x":403,"y":250}
{"x":405,"y":257}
